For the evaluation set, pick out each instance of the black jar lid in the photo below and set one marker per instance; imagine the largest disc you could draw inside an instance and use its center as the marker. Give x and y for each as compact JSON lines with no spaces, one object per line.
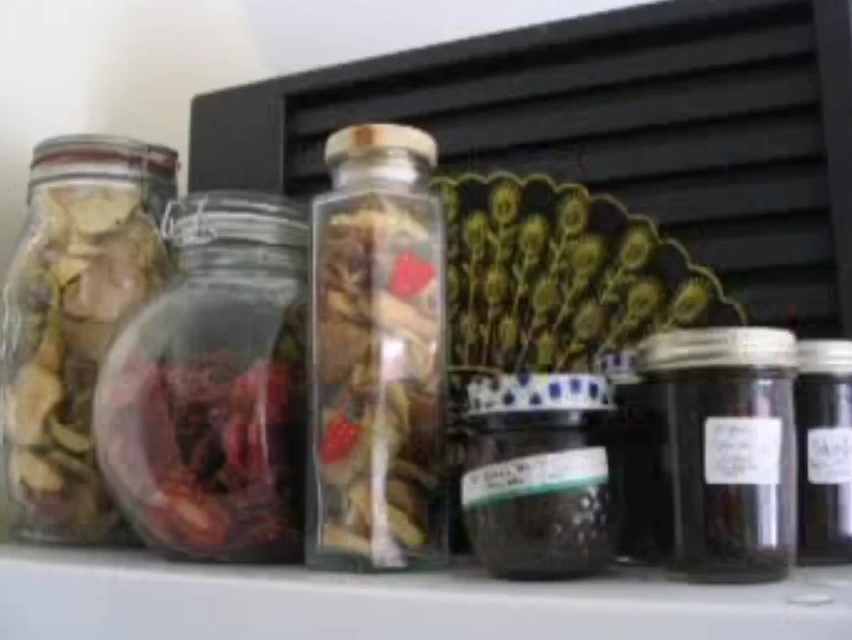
{"x":825,"y":357}
{"x":539,"y":393}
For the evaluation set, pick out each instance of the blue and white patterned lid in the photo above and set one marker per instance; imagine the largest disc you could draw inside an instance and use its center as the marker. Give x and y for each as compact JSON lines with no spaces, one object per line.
{"x":620,"y":367}
{"x":539,"y":392}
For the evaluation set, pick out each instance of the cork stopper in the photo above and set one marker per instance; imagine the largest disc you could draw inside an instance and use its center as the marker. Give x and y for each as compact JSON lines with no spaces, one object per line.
{"x":363,"y":138}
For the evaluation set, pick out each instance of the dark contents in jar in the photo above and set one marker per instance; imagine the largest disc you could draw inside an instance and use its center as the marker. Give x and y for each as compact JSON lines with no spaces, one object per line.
{"x":825,"y":510}
{"x":729,"y":532}
{"x":456,"y":452}
{"x":565,"y":533}
{"x":640,"y":476}
{"x":204,"y":433}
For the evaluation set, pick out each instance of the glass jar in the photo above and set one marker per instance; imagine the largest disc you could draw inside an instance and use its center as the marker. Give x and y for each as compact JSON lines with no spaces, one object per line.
{"x":728,"y":402}
{"x":640,"y":476}
{"x":536,"y":492}
{"x":824,"y":425}
{"x":91,"y":255}
{"x":200,"y":410}
{"x":377,"y":496}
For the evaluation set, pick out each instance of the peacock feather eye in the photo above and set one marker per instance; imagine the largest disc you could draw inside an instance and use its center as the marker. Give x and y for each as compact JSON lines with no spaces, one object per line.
{"x":589,"y":322}
{"x":691,"y":301}
{"x":497,"y":286}
{"x":637,"y":248}
{"x":506,"y":203}
{"x":588,"y":256}
{"x":644,"y":298}
{"x":534,"y":236}
{"x":476,"y":232}
{"x":572,"y":214}
{"x":545,"y":297}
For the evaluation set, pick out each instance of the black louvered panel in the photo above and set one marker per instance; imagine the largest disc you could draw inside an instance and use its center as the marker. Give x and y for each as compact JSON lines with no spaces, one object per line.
{"x":605,"y":112}
{"x":324,"y":113}
{"x":710,"y":116}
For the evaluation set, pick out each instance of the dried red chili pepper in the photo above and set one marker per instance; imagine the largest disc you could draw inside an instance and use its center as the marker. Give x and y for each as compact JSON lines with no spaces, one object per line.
{"x":341,"y":438}
{"x":411,"y":274}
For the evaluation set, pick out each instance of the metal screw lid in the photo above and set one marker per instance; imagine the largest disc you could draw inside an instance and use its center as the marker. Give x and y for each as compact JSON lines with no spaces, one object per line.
{"x":832,"y":357}
{"x":363,"y":138}
{"x":718,"y":347}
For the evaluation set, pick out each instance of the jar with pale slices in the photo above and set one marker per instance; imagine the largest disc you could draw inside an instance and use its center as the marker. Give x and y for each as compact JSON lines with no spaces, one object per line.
{"x":90,"y":257}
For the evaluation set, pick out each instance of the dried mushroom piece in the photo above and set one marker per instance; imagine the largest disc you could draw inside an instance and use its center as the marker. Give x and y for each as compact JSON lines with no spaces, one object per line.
{"x":33,"y":472}
{"x":384,"y":225}
{"x":396,"y":520}
{"x":336,"y":537}
{"x":97,"y":210}
{"x":391,"y":314}
{"x":409,"y":500}
{"x":344,"y":345}
{"x":32,"y":398}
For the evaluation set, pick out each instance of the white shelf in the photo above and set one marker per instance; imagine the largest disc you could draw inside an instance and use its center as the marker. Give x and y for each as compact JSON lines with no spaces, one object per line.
{"x":121,"y":595}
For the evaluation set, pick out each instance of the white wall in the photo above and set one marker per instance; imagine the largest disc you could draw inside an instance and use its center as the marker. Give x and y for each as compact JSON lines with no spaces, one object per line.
{"x":131,"y":66}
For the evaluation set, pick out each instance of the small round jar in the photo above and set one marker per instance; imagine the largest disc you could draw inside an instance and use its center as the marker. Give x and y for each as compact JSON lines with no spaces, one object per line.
{"x":535,"y":493}
{"x":824,"y":427}
{"x":200,"y":410}
{"x":728,"y":403}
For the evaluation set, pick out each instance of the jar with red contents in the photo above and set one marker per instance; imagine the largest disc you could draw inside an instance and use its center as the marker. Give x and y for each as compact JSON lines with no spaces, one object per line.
{"x":199,"y":411}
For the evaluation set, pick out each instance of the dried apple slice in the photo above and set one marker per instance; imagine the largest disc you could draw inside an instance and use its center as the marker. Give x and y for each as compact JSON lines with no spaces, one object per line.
{"x":88,"y":339}
{"x":69,"y":438}
{"x":34,"y":395}
{"x":70,"y":464}
{"x":34,"y":472}
{"x":66,"y":268}
{"x":98,"y":210}
{"x":51,"y":351}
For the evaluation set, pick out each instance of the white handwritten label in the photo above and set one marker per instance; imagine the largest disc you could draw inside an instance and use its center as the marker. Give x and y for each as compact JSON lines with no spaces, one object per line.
{"x":572,"y":470}
{"x":742,"y":450}
{"x":830,"y":455}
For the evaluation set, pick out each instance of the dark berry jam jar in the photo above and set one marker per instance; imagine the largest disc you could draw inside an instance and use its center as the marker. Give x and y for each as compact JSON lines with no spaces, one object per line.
{"x":728,"y":404}
{"x":536,"y":494}
{"x":640,"y":476}
{"x":640,"y":467}
{"x":824,"y":427}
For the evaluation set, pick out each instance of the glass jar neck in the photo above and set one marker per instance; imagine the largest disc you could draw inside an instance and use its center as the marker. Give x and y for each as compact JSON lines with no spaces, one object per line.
{"x":396,"y":167}
{"x":237,"y":259}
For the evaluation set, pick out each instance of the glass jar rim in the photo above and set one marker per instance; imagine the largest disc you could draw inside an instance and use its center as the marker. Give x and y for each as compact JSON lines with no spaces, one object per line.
{"x":90,"y":147}
{"x":826,"y":357}
{"x":257,"y":217}
{"x":718,"y":347}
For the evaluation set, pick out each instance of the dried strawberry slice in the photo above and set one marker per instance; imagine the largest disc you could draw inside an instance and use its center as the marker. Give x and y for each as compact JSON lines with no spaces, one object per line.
{"x":341,"y":438}
{"x":263,"y":393}
{"x":411,"y":274}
